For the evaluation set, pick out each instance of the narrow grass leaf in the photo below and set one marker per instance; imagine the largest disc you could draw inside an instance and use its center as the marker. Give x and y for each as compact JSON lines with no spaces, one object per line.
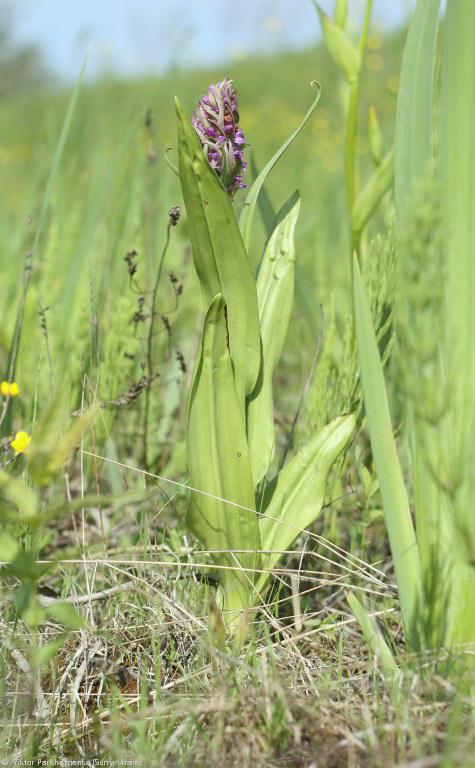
{"x":375,"y":136}
{"x":341,"y":12}
{"x":396,"y":505}
{"x":345,"y":55}
{"x":372,"y":194}
{"x":373,"y":637}
{"x":58,"y":154}
{"x":414,"y":125}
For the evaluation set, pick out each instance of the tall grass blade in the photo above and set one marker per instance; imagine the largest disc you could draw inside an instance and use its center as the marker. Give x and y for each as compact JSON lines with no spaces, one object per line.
{"x":372,"y":194}
{"x":414,"y":128}
{"x":458,"y":190}
{"x":373,"y":637}
{"x":58,"y":153}
{"x":395,"y":501}
{"x":345,"y":55}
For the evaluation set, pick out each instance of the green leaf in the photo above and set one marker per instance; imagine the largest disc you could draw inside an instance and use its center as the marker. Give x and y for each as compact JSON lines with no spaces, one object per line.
{"x":21,"y":500}
{"x":372,"y":194}
{"x":25,"y":567}
{"x":457,"y":153}
{"x":341,"y":12}
{"x":41,"y":655}
{"x":56,"y":162}
{"x":32,"y":613}
{"x":264,"y":203}
{"x":345,"y":55}
{"x":50,"y":447}
{"x":220,"y":257}
{"x":9,"y":547}
{"x":216,"y":626}
{"x":221,"y":512}
{"x":414,"y":128}
{"x":275,"y":293}
{"x":395,"y":502}
{"x":65,"y":613}
{"x":375,"y":136}
{"x":373,"y":637}
{"x":248,"y":211}
{"x":54,"y":512}
{"x":300,"y":490}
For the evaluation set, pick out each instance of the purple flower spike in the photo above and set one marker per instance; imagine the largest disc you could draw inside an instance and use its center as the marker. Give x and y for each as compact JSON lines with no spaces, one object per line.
{"x":216,"y":123}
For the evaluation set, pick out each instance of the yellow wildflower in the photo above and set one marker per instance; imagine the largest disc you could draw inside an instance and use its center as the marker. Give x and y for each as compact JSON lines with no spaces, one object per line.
{"x":20,"y":442}
{"x":9,"y":390}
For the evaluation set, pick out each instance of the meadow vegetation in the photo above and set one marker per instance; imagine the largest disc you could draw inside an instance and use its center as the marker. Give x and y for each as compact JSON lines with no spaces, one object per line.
{"x":236,"y":457}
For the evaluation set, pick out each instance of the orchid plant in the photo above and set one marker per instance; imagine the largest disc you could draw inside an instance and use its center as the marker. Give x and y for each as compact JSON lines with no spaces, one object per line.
{"x":243,"y":509}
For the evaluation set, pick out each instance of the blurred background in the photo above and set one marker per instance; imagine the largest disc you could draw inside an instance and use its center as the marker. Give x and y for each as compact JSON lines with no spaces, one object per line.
{"x":110,"y":188}
{"x":139,"y":37}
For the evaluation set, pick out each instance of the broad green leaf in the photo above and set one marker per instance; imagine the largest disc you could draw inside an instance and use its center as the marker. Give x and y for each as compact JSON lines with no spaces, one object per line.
{"x":300,"y":490}
{"x":395,"y":502}
{"x":275,"y":294}
{"x":345,"y":55}
{"x":220,"y":257}
{"x":373,"y":637}
{"x":458,"y":173}
{"x":305,"y":293}
{"x":248,"y":211}
{"x":19,"y":500}
{"x":370,"y":197}
{"x":457,"y":151}
{"x":221,"y":512}
{"x":414,"y":128}
{"x":51,"y":447}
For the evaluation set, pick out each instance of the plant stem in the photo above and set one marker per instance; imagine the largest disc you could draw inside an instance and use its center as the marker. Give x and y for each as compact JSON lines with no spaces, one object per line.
{"x":150,"y":337}
{"x":351,"y":132}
